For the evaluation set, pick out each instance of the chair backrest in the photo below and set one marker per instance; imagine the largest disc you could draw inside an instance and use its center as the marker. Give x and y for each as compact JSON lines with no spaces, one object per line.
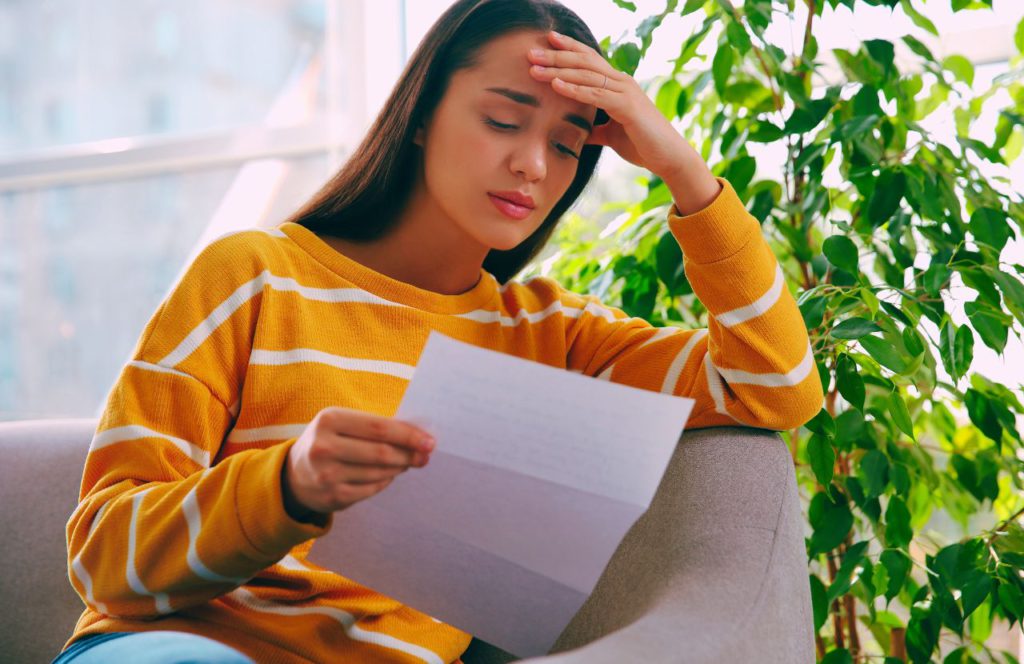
{"x":40,"y":477}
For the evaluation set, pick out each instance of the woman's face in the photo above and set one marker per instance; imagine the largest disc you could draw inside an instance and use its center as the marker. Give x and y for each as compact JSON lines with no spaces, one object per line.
{"x":497,"y":129}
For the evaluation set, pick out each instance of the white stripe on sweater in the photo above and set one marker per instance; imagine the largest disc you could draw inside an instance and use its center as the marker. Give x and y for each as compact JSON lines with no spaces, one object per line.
{"x":792,"y":377}
{"x":716,"y":387}
{"x":347,"y":620}
{"x":679,"y":362}
{"x":163,"y":602}
{"x":193,"y":517}
{"x":758,"y":307}
{"x":202,"y":331}
{"x":296,"y":355}
{"x":277,"y":432}
{"x":135,"y":431}
{"x":83,"y":575}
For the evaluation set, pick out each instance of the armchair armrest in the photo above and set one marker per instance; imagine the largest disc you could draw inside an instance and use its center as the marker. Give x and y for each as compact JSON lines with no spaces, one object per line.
{"x":715,"y":570}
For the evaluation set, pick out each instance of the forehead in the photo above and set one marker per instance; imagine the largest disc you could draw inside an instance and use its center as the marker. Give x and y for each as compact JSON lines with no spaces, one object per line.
{"x":503,"y":63}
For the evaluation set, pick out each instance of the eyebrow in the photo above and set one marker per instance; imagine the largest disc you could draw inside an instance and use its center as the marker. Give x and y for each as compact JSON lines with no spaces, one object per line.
{"x":530,"y":100}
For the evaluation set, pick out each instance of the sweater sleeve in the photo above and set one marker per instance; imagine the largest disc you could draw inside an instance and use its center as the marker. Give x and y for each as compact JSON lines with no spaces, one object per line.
{"x":751,"y":366}
{"x":158,"y":526}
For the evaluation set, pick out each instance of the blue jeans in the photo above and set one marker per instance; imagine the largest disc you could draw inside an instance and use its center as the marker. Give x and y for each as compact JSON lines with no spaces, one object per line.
{"x":157,"y":647}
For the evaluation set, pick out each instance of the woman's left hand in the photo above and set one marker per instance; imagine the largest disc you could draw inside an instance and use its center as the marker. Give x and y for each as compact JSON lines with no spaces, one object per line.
{"x":636,"y":129}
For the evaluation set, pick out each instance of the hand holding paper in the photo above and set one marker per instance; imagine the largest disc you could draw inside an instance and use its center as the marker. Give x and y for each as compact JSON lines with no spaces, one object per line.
{"x":537,"y":475}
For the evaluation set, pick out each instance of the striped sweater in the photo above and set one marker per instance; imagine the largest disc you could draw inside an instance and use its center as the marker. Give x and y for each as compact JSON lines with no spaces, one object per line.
{"x":180,"y":522}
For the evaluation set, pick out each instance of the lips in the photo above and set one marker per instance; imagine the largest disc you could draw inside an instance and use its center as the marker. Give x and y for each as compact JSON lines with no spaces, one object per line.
{"x":515,"y":197}
{"x":510,"y":209}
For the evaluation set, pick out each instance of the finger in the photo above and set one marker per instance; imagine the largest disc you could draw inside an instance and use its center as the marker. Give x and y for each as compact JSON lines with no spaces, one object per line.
{"x":584,"y":93}
{"x":376,"y":453}
{"x":573,"y":53}
{"x":568,"y":43}
{"x":566,"y":60}
{"x":359,"y":475}
{"x":367,"y":426}
{"x":584,"y":77}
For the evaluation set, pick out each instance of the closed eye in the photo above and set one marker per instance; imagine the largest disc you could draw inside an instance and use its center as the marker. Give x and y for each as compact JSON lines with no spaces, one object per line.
{"x":501,"y":126}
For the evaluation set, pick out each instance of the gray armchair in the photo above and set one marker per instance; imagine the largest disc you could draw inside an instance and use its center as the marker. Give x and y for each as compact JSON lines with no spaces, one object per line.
{"x":715,"y":570}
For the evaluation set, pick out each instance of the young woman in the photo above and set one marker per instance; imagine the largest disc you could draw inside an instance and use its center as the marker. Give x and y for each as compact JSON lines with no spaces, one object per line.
{"x":261,"y":394}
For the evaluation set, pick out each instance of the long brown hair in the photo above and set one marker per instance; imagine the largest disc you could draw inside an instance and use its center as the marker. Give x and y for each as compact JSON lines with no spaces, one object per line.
{"x":363,"y":200}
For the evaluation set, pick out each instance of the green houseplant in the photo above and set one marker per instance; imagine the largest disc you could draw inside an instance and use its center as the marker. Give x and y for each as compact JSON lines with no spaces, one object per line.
{"x":887,"y":450}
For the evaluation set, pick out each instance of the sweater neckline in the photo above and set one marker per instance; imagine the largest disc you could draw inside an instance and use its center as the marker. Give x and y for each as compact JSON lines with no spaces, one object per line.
{"x":387,"y":287}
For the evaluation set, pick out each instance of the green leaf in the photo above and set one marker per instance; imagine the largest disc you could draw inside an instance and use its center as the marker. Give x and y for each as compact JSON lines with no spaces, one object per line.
{"x":956,"y":348}
{"x":667,"y":98}
{"x":818,"y":601}
{"x":983,"y":414}
{"x":626,"y":57}
{"x":841,"y":252}
{"x":1018,"y":36}
{"x":692,"y":6}
{"x":919,"y":20}
{"x":854,"y":328}
{"x":822,"y":424}
{"x":838,"y":656}
{"x":991,"y":227}
{"x":721,"y":67}
{"x":849,"y":382}
{"x":805,"y":118}
{"x":934,"y":278}
{"x":830,"y":519}
{"x":669,"y":265}
{"x":1012,"y":600}
{"x":975,"y":590}
{"x":912,"y":341}
{"x":810,"y":153}
{"x":884,"y":353}
{"x":885,"y":200}
{"x":897,"y":564}
{"x":1013,"y":292}
{"x":882,"y":52}
{"x":961,"y":67}
{"x":855,"y":127}
{"x":625,"y":5}
{"x":738,"y":36}
{"x":897,"y":523}
{"x":900,"y":414}
{"x":813,"y":311}
{"x":990,"y":323}
{"x":853,"y":563}
{"x":874,"y":468}
{"x":822,"y":458}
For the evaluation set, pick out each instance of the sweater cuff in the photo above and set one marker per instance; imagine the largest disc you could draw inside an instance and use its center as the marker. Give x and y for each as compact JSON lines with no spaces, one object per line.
{"x":260,"y":505}
{"x":716,"y":232}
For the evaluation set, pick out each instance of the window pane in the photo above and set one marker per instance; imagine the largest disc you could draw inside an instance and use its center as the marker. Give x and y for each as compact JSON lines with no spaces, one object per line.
{"x":83,"y":268}
{"x":77,"y":70}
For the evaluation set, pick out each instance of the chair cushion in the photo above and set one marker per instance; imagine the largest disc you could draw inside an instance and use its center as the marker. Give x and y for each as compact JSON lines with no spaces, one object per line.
{"x":39,"y":482}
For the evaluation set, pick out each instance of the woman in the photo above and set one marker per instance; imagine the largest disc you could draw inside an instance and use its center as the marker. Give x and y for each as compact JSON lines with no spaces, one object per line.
{"x":261,"y":393}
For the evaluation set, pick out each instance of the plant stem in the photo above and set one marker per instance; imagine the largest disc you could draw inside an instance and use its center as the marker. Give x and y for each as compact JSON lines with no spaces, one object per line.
{"x":851,"y":611}
{"x":837,"y":619}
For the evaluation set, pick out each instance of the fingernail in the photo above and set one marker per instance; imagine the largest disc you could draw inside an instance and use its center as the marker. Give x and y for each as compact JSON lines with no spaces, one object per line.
{"x":557,"y":35}
{"x":428,"y":443}
{"x":536,"y":52}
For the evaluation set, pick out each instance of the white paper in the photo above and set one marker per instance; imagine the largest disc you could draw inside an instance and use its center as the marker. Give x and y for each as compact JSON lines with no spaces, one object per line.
{"x":537,"y":475}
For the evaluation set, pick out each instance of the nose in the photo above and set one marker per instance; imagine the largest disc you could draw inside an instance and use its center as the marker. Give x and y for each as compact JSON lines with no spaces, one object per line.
{"x":529,"y":159}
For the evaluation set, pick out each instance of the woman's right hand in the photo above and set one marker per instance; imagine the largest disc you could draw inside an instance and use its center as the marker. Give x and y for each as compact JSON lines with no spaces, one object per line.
{"x":346,"y":455}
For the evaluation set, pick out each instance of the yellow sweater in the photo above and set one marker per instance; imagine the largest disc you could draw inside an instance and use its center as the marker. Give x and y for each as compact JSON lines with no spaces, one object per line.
{"x":181,"y":523}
